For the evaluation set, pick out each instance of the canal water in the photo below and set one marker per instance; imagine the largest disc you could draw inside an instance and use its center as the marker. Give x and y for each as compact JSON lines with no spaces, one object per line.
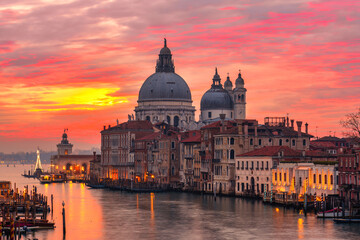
{"x":106,"y":214}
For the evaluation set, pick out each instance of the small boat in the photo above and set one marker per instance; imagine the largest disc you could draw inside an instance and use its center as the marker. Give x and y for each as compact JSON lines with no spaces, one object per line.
{"x":347,"y":220}
{"x":95,"y":185}
{"x":45,"y":179}
{"x":58,"y":178}
{"x":336,"y":212}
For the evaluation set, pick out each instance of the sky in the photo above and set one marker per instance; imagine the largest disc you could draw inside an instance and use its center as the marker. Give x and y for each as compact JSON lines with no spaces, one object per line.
{"x":79,"y":64}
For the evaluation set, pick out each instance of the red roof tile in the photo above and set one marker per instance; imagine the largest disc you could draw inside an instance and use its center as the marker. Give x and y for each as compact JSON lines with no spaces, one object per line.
{"x":271,"y":151}
{"x":192,"y":136}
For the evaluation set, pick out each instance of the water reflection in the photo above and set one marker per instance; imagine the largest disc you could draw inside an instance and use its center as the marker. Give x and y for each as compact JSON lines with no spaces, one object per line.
{"x":105,"y":214}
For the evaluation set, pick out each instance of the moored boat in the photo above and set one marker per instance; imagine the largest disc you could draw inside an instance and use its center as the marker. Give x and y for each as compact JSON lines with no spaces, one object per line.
{"x":45,"y":179}
{"x":336,"y":212}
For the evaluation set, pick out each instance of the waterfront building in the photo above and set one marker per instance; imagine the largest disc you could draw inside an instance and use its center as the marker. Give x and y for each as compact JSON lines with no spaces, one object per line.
{"x":349,"y":175}
{"x":117,"y":159}
{"x":305,"y":177}
{"x":70,"y":164}
{"x":190,"y":163}
{"x":254,"y":169}
{"x":165,"y":96}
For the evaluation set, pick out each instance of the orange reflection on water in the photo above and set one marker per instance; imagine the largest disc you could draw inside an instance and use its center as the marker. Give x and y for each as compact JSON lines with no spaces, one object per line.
{"x":300,"y":228}
{"x":152,"y":196}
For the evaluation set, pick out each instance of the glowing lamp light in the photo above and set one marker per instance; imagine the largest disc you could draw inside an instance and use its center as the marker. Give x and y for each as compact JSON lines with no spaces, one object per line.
{"x":82,"y":168}
{"x":277,"y":209}
{"x":57,"y":167}
{"x":71,"y":168}
{"x":64,"y":168}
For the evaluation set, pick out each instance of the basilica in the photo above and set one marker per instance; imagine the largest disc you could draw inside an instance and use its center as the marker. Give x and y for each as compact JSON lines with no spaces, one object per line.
{"x":166,"y":97}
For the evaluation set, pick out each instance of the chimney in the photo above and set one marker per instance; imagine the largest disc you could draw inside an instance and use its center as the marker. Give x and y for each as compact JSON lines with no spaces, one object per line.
{"x":222,"y":117}
{"x":109,"y":126}
{"x":292,"y":124}
{"x":299,"y":123}
{"x":104,"y":127}
{"x":287,"y":121}
{"x":94,"y":155}
{"x":306,"y":128}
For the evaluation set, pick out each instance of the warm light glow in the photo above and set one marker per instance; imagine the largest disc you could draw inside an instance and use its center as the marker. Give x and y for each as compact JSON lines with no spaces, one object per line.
{"x":71,"y":168}
{"x":277,"y":209}
{"x":56,"y":167}
{"x":64,"y":168}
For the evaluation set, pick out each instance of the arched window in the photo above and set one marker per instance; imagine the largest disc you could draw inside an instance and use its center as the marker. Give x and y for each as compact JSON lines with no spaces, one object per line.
{"x":325,"y":179}
{"x":232,"y":141}
{"x":259,"y":142}
{"x":232,"y":154}
{"x":304,"y":142}
{"x":209,"y":114}
{"x":168,"y":119}
{"x":148,"y":118}
{"x":331,"y":179}
{"x":293,"y":142}
{"x":242,"y":98}
{"x":176,"y":121}
{"x":251,"y":141}
{"x":280,"y":142}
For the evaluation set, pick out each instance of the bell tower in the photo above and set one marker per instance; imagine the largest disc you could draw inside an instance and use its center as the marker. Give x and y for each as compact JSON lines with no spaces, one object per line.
{"x":239,"y":95}
{"x":64,"y":147}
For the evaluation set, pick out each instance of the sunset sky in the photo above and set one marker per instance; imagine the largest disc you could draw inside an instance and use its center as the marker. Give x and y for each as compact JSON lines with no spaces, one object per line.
{"x":79,"y":64}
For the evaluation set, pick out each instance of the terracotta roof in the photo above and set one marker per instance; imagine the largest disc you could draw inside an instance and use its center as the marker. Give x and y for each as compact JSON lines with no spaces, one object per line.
{"x":132,"y":125}
{"x":270,"y":131}
{"x":150,"y":136}
{"x":192,"y":137}
{"x":330,"y":139}
{"x":218,"y":124}
{"x":272,"y":151}
{"x":317,"y":144}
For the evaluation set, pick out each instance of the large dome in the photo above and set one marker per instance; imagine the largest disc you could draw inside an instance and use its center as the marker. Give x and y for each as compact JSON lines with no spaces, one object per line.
{"x":216,"y":99}
{"x":165,"y":86}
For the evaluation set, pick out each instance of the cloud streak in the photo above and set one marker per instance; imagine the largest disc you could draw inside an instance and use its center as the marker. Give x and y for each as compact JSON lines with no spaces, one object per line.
{"x":80,"y":64}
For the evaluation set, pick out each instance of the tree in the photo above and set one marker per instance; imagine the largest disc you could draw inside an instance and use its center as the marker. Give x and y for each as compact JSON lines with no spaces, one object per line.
{"x":352,"y":123}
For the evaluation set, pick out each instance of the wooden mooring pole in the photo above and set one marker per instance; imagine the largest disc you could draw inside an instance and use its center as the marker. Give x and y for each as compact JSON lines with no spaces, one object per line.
{"x":63,"y":214}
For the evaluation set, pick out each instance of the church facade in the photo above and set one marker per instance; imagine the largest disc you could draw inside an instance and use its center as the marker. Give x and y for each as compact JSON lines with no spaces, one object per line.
{"x":223,"y":100}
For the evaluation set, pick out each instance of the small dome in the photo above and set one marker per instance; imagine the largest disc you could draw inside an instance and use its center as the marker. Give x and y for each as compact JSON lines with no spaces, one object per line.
{"x":164,"y":86}
{"x":217,"y":98}
{"x":239,"y":81}
{"x":165,"y":50}
{"x":228,"y":84}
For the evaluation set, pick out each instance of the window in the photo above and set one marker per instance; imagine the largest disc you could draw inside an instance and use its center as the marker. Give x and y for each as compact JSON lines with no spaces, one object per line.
{"x":325,"y":179}
{"x":314,"y":178}
{"x":280,"y":177}
{"x":176,"y":121}
{"x":238,"y":186}
{"x":172,"y":145}
{"x":293,"y":142}
{"x":270,"y":140}
{"x":168,"y":119}
{"x":267,"y":165}
{"x":259,"y":142}
{"x":232,"y":141}
{"x":232,"y":154}
{"x":238,"y":164}
{"x":148,"y":118}
{"x":280,"y":142}
{"x":252,"y":165}
{"x":242,"y":164}
{"x":247,"y":165}
{"x":319,"y":178}
{"x":304,"y":142}
{"x":172,"y":156}
{"x":275,"y":176}
{"x":284,"y":177}
{"x":251,"y":141}
{"x":262,"y":165}
{"x":209,"y":114}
